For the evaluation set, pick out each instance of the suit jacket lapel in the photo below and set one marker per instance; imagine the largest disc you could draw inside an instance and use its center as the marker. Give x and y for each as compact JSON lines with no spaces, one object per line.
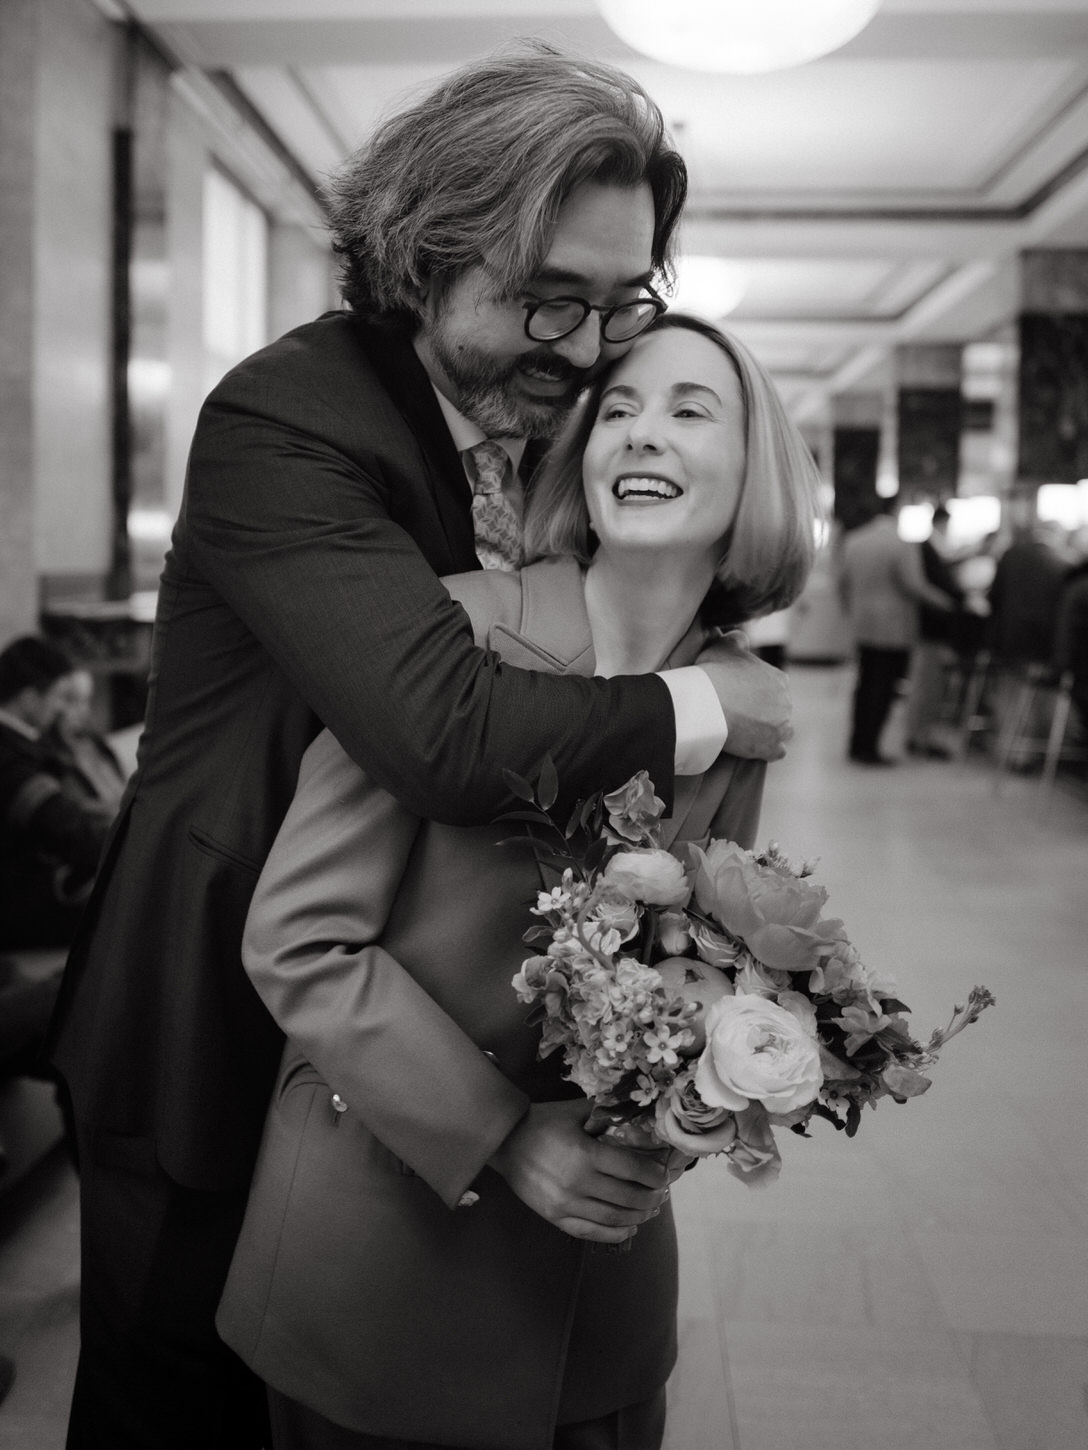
{"x":394,"y":360}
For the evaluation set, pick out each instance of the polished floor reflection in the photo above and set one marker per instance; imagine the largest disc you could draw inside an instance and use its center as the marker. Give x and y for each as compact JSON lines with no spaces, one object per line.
{"x":923,"y":1287}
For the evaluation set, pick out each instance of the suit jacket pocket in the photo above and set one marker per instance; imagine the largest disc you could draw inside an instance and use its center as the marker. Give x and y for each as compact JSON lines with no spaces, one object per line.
{"x":211,"y":847}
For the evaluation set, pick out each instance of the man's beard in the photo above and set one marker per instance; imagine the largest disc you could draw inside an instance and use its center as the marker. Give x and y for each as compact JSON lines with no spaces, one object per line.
{"x":486,"y":390}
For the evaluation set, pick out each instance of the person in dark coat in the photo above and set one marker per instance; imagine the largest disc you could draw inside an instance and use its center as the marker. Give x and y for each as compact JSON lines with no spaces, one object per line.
{"x":935,"y":648}
{"x":499,"y":241}
{"x":50,"y":844}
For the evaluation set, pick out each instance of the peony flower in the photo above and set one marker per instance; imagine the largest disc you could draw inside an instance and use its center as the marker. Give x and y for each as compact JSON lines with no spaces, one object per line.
{"x":652,"y":876}
{"x":775,"y":913}
{"x":684,"y":1121}
{"x":757,"y":1051}
{"x":633,"y":809}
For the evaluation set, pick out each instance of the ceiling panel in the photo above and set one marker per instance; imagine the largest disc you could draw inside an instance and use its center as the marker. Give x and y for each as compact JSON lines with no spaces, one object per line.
{"x":875,"y":197}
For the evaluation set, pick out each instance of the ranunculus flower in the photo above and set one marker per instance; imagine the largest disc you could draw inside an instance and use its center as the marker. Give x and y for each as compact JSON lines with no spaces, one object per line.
{"x":684,"y":1121}
{"x":633,"y":809}
{"x":757,"y":1051}
{"x":774,"y":912}
{"x":653,"y":876}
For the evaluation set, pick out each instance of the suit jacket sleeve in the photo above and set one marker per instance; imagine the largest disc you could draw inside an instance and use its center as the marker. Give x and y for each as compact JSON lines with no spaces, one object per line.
{"x":292,"y":520}
{"x":419,"y":1082}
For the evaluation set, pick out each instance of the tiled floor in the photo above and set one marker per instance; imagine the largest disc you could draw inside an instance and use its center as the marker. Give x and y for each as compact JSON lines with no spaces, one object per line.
{"x":922,"y":1287}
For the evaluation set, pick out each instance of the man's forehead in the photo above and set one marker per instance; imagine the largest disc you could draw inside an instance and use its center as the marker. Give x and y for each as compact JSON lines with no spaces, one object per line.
{"x":560,"y":276}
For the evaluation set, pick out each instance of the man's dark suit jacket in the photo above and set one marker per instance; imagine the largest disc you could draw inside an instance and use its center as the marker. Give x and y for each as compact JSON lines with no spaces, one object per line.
{"x":323,"y":498}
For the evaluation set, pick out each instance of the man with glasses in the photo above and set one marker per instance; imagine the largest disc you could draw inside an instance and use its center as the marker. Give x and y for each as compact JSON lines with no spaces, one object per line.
{"x":499,"y":240}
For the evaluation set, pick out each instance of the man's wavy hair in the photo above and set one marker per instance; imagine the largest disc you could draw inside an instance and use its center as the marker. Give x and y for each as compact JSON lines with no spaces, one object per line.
{"x":768,"y":551}
{"x":480,"y":168}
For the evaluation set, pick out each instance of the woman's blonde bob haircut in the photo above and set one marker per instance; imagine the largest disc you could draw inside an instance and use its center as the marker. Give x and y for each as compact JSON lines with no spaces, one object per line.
{"x":769,"y":549}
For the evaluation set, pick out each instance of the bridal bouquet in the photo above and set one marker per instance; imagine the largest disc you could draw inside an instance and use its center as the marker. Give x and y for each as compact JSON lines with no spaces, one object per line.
{"x":700,"y":997}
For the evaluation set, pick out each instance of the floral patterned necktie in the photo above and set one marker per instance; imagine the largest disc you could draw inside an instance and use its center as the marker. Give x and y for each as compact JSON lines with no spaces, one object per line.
{"x":495,"y":521}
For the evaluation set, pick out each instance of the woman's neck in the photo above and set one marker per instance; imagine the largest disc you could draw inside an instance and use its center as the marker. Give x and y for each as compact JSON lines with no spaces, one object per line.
{"x":640,"y":609}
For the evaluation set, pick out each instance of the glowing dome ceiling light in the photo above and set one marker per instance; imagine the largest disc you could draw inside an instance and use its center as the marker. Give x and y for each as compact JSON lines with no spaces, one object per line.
{"x":738,"y":36}
{"x":709,"y":286}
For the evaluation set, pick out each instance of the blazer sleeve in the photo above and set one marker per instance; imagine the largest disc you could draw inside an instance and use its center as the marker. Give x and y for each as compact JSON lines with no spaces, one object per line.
{"x":737,"y":815}
{"x":297,"y":535}
{"x":417,"y":1080}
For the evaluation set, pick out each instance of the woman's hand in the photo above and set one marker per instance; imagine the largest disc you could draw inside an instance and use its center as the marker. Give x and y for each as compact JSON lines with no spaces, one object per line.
{"x":589,"y":1187}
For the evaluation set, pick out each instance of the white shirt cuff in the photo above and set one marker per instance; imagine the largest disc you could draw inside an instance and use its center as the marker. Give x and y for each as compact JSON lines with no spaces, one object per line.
{"x":701,"y":729}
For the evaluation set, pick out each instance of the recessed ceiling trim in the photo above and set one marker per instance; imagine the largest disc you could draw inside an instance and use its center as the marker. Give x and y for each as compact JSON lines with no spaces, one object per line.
{"x":330,"y":127}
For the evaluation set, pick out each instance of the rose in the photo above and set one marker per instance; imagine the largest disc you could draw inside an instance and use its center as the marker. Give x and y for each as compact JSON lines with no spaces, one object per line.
{"x":713,"y":946}
{"x":775,"y":913}
{"x":633,"y":809}
{"x":757,"y":1051}
{"x":694,"y":981}
{"x":653,"y":876}
{"x":684,"y":1121}
{"x":611,"y":919}
{"x":673,"y":932}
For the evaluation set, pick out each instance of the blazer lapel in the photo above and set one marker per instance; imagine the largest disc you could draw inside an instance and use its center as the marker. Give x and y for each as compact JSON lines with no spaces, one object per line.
{"x":554,"y":635}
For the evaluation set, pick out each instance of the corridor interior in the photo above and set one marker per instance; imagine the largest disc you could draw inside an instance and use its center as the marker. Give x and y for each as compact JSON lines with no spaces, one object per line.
{"x":921,"y":1287}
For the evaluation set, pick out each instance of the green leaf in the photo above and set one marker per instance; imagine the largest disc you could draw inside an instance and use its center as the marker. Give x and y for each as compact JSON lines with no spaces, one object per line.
{"x":518,"y":785}
{"x":574,"y":822}
{"x":547,"y":786}
{"x":538,"y":818}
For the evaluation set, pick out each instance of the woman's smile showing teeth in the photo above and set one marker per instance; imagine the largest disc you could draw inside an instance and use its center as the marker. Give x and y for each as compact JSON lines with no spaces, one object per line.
{"x":645,"y":486}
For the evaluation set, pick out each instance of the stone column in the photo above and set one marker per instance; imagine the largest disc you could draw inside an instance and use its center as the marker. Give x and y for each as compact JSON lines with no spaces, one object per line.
{"x":1053,"y":370}
{"x":856,"y":419}
{"x":18,"y":88}
{"x":929,"y":414}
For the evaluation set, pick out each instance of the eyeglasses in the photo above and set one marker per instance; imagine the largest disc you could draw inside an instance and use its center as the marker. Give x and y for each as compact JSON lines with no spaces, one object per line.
{"x":556,"y":317}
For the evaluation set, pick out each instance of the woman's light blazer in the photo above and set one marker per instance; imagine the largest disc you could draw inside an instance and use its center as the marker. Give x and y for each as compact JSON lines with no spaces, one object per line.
{"x":364,"y":1284}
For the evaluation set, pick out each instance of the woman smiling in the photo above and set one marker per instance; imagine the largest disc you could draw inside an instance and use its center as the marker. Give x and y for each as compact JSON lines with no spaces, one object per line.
{"x":413,"y":1267}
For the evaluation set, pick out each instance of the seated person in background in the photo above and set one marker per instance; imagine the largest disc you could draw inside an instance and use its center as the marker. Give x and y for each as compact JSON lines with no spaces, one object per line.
{"x":89,"y":769}
{"x":1071,"y":638}
{"x":49,"y":843}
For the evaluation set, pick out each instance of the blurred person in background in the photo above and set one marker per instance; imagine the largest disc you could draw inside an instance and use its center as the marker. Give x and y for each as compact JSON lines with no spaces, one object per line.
{"x":90,"y":769}
{"x":1027,"y":585}
{"x":50,"y":843}
{"x":1071,"y":633}
{"x":882,"y":586}
{"x":935,"y":649}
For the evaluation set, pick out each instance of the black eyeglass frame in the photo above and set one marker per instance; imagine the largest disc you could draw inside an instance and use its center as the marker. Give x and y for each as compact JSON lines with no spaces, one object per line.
{"x":658,"y":304}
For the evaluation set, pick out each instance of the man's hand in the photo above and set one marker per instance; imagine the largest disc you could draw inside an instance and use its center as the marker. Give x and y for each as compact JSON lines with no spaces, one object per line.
{"x":589,"y":1187}
{"x":754,"y":696}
